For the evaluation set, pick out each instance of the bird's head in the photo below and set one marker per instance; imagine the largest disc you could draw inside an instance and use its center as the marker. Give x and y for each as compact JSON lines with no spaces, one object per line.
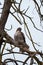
{"x":19,"y":29}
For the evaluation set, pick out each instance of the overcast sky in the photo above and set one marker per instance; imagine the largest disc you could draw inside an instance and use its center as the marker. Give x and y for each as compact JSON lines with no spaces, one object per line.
{"x":36,"y":35}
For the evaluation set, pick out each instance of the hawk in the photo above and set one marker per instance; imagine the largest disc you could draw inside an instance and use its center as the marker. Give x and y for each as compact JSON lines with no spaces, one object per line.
{"x":19,"y":39}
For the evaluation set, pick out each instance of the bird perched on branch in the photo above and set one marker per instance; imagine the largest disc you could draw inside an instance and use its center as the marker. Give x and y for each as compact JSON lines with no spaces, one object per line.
{"x":19,"y":39}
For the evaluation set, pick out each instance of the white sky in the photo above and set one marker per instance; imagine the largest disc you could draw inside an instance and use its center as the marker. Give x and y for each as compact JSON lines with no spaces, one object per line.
{"x":36,"y":35}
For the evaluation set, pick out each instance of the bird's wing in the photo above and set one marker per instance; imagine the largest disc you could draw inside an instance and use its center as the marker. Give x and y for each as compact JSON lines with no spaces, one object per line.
{"x":24,"y":40}
{"x":23,"y":36}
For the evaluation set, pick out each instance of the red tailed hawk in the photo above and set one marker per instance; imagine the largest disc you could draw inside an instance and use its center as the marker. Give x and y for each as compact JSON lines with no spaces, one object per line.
{"x":19,"y":39}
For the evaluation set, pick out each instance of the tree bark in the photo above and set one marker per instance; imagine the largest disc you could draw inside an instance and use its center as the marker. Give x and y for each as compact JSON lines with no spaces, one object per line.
{"x":3,"y":20}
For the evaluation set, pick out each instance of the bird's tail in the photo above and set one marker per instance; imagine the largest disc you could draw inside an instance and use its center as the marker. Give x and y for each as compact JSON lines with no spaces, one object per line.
{"x":25,"y":46}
